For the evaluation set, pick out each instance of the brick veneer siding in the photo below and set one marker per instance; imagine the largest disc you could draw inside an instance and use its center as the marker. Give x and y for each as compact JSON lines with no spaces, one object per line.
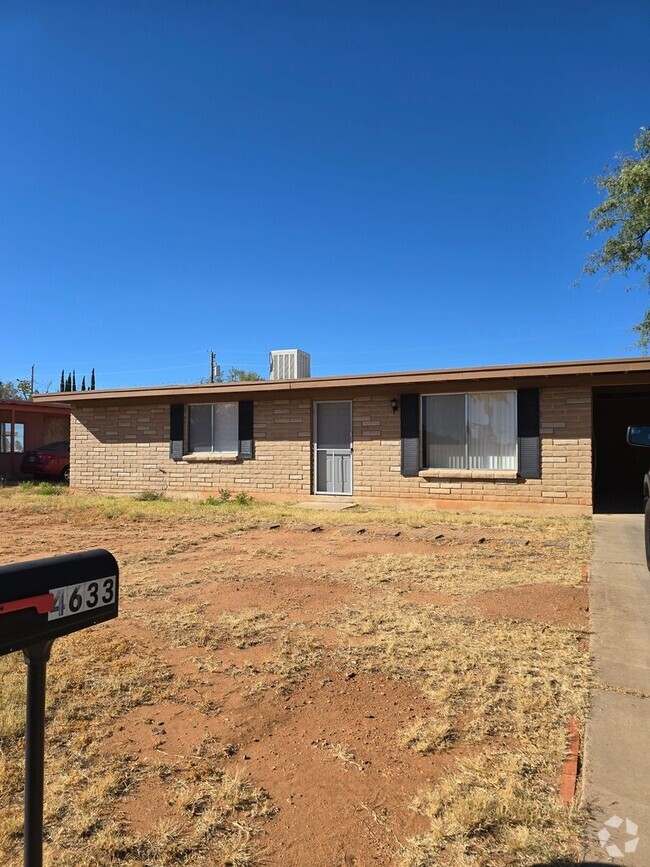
{"x":125,"y":449}
{"x":565,"y":429}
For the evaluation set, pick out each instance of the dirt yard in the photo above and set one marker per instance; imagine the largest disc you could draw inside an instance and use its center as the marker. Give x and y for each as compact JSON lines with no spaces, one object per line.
{"x":301,"y":688}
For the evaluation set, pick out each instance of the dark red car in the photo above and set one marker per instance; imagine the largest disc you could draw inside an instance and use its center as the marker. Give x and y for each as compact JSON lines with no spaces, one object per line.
{"x":48,"y":462}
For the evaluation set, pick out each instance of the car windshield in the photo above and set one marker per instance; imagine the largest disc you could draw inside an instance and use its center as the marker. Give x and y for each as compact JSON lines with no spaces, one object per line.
{"x":62,"y":446}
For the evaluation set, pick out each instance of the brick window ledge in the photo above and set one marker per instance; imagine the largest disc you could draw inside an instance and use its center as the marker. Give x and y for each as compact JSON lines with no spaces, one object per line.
{"x":211,"y":457}
{"x":477,"y":475}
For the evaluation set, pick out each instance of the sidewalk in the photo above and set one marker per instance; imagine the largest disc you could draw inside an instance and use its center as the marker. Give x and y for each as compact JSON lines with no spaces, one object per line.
{"x":617,"y":745}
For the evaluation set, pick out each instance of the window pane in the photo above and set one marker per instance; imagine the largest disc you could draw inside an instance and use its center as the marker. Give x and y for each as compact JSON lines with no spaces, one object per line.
{"x":19,"y":437}
{"x":5,"y":436}
{"x":200,"y":424}
{"x":493,"y":431}
{"x":444,"y":423}
{"x":226,"y":427}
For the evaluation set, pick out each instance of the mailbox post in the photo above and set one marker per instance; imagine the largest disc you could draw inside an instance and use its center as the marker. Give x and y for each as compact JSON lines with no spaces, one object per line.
{"x":41,"y":600}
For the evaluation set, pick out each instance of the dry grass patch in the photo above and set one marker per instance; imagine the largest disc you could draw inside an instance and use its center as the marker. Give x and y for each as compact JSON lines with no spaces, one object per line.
{"x":495,"y":808}
{"x":460,"y":573}
{"x":493,"y":696}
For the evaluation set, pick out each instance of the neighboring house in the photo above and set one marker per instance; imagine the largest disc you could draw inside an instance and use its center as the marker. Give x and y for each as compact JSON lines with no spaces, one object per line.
{"x":24,"y":426}
{"x":530,"y":436}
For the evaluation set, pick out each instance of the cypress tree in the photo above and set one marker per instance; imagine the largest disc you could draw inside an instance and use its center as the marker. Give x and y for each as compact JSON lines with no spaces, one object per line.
{"x":74,"y":381}
{"x":83,"y":384}
{"x":68,"y":383}
{"x":62,"y":386}
{"x":92,"y":380}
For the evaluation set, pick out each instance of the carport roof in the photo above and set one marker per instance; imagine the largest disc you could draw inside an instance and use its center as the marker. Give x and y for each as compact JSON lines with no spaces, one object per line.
{"x":596,"y":372}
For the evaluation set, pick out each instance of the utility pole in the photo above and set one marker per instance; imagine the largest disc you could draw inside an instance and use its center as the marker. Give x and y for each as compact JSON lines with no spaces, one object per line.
{"x":215,"y":369}
{"x":31,"y":389}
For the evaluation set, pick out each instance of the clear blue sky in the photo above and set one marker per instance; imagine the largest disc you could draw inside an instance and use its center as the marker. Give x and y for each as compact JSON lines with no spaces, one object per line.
{"x":388,"y":185}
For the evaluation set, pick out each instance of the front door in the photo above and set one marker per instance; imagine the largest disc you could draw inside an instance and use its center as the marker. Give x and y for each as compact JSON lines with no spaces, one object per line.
{"x":333,"y":447}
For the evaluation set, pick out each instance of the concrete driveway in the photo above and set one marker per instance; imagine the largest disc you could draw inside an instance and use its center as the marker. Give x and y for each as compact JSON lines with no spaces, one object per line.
{"x":617,"y":746}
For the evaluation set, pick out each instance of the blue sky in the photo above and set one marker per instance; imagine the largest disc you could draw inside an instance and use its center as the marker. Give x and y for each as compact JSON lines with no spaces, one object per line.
{"x":386,"y":185}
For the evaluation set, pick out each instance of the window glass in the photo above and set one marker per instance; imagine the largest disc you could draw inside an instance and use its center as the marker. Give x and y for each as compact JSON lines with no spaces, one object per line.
{"x":5,"y":436}
{"x":492,"y":426}
{"x":214,"y":427}
{"x":225,"y":437}
{"x":470,"y":431}
{"x":445,"y":431}
{"x":200,"y":425}
{"x":19,"y":437}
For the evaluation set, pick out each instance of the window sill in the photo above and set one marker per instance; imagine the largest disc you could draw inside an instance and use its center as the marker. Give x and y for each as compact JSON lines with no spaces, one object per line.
{"x":483,"y":475}
{"x":211,"y":457}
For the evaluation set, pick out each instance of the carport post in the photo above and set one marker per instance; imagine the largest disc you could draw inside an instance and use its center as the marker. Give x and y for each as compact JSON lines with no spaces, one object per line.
{"x":36,"y":658}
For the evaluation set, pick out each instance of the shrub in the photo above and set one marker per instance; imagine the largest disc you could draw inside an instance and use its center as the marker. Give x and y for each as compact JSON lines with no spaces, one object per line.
{"x":243,"y":499}
{"x":148,"y":496}
{"x":48,"y":489}
{"x":26,"y":486}
{"x":224,"y":495}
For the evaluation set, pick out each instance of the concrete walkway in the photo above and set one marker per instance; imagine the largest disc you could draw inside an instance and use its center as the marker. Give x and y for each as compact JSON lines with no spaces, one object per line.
{"x":617,"y":745}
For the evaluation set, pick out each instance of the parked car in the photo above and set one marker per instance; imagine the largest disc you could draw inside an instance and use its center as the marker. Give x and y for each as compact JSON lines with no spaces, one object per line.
{"x":51,"y":461}
{"x":639,"y":435}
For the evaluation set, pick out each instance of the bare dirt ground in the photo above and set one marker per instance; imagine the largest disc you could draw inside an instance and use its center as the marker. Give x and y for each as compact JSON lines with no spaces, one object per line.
{"x":356,"y":688}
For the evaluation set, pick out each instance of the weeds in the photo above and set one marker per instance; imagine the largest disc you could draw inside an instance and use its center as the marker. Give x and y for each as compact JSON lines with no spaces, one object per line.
{"x":148,"y":496}
{"x":48,"y":489}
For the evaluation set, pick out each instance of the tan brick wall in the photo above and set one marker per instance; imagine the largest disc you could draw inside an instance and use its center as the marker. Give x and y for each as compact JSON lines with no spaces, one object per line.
{"x":565,"y":417}
{"x":126,"y":450}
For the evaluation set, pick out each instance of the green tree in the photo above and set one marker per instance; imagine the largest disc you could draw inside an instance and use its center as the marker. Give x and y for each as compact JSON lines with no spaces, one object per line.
{"x":83,"y":384}
{"x":24,"y":388}
{"x":74,"y":380}
{"x":624,"y":216}
{"x":8,"y":391}
{"x":92,"y":380}
{"x":62,"y":386}
{"x":236,"y":374}
{"x":68,"y":383}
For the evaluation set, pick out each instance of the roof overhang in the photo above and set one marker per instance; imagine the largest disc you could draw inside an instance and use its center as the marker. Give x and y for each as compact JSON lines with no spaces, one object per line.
{"x":598,"y":372}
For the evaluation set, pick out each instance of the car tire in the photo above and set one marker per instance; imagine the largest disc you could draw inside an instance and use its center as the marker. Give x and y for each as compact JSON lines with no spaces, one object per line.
{"x":647,"y":532}
{"x":65,"y":475}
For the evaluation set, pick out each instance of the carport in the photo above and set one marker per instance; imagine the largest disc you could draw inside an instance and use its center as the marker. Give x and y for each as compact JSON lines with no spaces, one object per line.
{"x":618,"y":468}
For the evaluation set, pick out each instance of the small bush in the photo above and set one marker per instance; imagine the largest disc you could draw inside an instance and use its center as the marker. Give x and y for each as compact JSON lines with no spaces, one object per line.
{"x":48,"y":489}
{"x":148,"y":496}
{"x":225,"y":496}
{"x":26,"y":486}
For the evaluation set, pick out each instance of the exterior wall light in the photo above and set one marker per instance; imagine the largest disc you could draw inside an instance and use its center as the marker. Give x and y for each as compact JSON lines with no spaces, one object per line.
{"x":394,"y":404}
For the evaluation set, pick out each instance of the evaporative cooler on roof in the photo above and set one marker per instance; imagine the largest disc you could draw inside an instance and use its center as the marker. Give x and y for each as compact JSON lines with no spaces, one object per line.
{"x":290,"y":364}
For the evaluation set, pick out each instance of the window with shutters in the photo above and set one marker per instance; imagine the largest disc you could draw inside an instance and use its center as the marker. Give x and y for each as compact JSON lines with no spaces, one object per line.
{"x":470,"y":431}
{"x":213,"y":428}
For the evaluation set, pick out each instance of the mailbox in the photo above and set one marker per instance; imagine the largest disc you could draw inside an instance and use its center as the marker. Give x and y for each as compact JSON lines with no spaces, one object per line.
{"x":41,"y":600}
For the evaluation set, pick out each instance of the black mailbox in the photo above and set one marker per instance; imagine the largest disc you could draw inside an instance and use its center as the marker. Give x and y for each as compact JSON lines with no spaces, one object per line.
{"x":43,"y":599}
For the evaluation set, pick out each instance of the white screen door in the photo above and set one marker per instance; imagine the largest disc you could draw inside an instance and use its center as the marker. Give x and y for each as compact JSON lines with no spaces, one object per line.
{"x":333,"y":447}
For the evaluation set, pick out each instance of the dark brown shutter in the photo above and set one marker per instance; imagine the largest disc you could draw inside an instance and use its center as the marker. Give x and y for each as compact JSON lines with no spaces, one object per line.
{"x":246,"y":439}
{"x":176,"y":422}
{"x":410,"y":432}
{"x":530,"y":464}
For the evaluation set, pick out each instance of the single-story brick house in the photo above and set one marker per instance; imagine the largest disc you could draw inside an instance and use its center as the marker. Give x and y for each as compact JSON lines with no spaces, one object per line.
{"x":525,"y":437}
{"x":25,"y":426}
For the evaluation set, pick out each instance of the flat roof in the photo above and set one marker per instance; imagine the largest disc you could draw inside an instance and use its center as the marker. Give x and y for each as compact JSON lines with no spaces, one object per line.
{"x":609,"y":371}
{"x":29,"y":405}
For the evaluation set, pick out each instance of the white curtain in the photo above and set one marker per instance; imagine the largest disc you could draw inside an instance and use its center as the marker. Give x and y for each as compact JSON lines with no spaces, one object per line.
{"x":492,"y":426}
{"x":471,"y":431}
